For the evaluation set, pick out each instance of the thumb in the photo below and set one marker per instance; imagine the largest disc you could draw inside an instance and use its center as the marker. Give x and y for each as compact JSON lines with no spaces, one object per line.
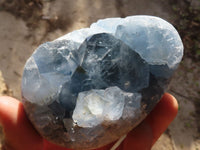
{"x":19,"y":133}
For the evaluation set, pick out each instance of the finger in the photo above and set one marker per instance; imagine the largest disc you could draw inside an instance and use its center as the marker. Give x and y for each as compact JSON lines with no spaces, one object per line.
{"x":146,"y":134}
{"x":162,"y":115}
{"x":19,"y":133}
{"x":51,"y":146}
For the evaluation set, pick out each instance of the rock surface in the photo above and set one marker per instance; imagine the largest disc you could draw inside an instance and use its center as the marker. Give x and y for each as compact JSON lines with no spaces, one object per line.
{"x":92,"y":82}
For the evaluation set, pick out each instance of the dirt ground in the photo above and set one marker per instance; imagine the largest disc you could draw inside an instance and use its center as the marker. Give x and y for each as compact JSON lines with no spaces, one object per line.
{"x":25,"y":24}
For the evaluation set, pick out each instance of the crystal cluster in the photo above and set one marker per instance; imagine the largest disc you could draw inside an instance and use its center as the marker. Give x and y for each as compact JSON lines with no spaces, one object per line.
{"x":92,"y":86}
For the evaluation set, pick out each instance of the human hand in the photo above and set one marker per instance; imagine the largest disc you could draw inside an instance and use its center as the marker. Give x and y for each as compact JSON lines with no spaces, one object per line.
{"x":20,"y":134}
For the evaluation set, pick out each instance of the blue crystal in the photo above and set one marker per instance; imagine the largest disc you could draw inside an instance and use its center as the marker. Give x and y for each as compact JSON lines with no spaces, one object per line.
{"x":96,"y":80}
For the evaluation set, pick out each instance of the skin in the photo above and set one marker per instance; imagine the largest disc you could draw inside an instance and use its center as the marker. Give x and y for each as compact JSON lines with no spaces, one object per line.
{"x":21,"y":135}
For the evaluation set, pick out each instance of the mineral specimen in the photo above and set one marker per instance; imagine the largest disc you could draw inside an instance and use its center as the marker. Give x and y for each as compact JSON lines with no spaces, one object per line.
{"x":92,"y":86}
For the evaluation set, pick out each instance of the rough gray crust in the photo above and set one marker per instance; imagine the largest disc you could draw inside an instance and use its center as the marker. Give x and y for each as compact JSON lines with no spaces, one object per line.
{"x":54,"y":130}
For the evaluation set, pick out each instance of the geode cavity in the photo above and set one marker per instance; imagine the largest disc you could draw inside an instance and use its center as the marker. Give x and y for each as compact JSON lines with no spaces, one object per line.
{"x":92,"y":86}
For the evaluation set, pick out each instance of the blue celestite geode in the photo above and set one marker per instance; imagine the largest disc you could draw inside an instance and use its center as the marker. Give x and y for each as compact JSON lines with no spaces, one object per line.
{"x":92,"y":86}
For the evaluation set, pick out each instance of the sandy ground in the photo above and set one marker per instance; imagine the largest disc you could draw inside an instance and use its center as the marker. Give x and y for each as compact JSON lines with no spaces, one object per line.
{"x":20,"y":36}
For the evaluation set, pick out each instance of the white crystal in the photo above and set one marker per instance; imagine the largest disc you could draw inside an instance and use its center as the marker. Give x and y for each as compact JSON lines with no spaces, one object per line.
{"x":95,"y":106}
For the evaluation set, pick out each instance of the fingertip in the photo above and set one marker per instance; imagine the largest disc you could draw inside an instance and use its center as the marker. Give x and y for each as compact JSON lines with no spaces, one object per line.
{"x":8,"y":110}
{"x":171,"y":102}
{"x":162,"y":115}
{"x":146,"y":133}
{"x":165,"y":111}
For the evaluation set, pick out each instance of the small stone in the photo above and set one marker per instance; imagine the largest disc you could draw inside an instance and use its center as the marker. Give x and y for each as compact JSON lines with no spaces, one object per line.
{"x":92,"y":86}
